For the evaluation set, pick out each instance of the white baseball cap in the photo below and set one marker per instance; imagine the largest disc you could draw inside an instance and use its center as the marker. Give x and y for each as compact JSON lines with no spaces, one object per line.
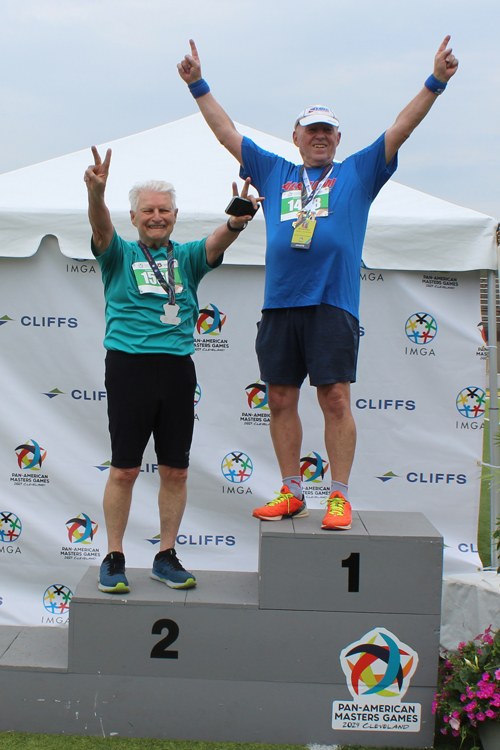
{"x":316,"y":113}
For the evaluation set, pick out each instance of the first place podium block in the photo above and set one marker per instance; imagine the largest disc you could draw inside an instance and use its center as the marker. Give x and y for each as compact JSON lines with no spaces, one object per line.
{"x":334,"y":641}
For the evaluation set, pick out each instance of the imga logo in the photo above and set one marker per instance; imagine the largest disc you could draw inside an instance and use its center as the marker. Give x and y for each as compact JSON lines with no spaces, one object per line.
{"x":210,"y":321}
{"x":313,"y":468}
{"x":30,"y":455}
{"x":56,"y":600}
{"x":471,"y":402}
{"x":421,"y":328}
{"x":257,"y":395}
{"x":10,"y":531}
{"x":236,"y":468}
{"x":378,"y":670}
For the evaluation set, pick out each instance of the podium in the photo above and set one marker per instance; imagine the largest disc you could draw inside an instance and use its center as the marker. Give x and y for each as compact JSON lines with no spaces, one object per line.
{"x":258,"y":657}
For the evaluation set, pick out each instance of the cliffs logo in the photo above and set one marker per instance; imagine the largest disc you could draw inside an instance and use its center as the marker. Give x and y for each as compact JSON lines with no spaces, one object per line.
{"x":378,"y":670}
{"x":471,"y":402}
{"x":237,"y":467}
{"x":10,"y":527}
{"x":5,"y":319}
{"x":210,"y":321}
{"x":30,"y":455}
{"x":421,"y":328}
{"x":313,"y":468}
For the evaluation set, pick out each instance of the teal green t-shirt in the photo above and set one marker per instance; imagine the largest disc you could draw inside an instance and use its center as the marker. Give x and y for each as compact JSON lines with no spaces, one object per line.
{"x":135,"y":299}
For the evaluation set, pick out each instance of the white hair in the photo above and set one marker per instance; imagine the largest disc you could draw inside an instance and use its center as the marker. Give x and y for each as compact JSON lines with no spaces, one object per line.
{"x":156,"y":186}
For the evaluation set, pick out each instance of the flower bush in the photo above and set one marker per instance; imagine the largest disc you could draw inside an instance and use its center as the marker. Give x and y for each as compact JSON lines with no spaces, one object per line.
{"x":470,"y":692}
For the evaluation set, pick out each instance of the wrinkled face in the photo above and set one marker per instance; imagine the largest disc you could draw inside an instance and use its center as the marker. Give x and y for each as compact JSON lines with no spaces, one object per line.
{"x":317,"y":143}
{"x":154,"y":218}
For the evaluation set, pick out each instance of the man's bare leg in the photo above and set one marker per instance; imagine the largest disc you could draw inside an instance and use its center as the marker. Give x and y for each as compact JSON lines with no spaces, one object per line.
{"x":340,"y":429}
{"x":171,"y":502}
{"x":285,"y":427}
{"x":116,"y":504}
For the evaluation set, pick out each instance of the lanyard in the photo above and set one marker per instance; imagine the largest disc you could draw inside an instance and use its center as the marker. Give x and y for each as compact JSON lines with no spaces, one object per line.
{"x":307,"y":193}
{"x":169,"y":287}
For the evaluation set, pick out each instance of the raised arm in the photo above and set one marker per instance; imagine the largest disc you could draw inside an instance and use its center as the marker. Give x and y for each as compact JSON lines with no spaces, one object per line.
{"x":100,"y":220}
{"x":217,"y":119}
{"x":226,"y":234}
{"x":445,"y":66}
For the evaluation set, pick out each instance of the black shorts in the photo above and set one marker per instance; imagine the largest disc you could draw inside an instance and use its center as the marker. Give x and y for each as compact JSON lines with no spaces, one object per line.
{"x":150,"y":394}
{"x":319,"y":340}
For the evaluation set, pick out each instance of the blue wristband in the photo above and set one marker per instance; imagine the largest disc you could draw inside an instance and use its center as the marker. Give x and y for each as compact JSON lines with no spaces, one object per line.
{"x":199,"y":88}
{"x":432,"y":83}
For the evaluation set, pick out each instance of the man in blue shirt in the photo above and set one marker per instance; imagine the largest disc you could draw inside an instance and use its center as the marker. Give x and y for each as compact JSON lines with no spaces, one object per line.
{"x":316,"y":215}
{"x":151,"y":309}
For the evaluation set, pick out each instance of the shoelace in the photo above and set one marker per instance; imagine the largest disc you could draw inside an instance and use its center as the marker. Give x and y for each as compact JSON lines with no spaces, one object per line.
{"x":174,"y":561}
{"x":335,"y":505}
{"x":281,"y":497}
{"x":115,"y":565}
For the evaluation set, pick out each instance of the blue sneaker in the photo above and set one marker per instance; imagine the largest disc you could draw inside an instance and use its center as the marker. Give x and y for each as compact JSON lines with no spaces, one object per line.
{"x":168,"y":569}
{"x":112,"y":578}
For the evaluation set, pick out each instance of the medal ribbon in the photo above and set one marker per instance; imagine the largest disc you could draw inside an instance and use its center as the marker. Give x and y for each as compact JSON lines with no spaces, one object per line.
{"x":307,"y":193}
{"x":169,"y":287}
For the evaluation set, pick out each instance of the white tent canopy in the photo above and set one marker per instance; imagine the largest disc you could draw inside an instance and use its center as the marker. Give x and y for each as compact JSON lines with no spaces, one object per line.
{"x":407,"y":229}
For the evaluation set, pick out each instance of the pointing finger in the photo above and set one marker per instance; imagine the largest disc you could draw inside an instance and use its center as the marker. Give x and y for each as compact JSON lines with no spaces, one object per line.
{"x":444,"y":43}
{"x":194,"y":51}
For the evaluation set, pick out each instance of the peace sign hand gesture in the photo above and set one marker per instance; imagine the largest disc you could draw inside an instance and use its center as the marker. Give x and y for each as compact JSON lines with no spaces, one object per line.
{"x":96,"y":175}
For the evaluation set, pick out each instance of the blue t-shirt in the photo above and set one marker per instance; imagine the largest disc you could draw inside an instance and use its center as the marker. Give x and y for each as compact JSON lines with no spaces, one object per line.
{"x":135,"y":299}
{"x":328,"y":272}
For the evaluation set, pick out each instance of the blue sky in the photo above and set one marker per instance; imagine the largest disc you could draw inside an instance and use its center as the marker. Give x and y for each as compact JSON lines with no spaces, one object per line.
{"x":77,"y":73}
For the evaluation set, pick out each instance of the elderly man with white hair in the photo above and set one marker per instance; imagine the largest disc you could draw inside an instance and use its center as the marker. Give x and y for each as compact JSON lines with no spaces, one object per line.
{"x":150,"y":288}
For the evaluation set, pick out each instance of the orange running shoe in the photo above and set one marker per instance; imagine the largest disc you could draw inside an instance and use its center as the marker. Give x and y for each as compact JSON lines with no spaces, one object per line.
{"x":285,"y":505}
{"x":338,"y":515}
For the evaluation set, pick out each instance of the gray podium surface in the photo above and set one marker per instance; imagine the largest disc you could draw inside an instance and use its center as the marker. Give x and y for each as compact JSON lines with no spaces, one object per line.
{"x":230,"y":659}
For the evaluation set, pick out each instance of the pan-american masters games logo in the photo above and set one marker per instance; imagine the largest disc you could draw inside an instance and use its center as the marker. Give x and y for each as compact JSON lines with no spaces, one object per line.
{"x":30,"y":457}
{"x":210,"y":322}
{"x":256,"y":394}
{"x":378,"y":670}
{"x":312,"y":470}
{"x":81,"y":531}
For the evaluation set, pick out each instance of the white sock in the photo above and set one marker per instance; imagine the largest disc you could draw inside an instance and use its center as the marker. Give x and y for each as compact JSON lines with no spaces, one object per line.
{"x":294,"y":484}
{"x":339,"y":487}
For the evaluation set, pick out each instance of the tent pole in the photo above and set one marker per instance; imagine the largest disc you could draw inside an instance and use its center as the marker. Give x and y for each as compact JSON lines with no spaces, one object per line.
{"x":494,"y":426}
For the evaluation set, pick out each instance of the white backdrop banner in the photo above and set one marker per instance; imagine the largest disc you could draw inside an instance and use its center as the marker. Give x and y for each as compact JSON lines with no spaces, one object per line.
{"x":418,"y":404}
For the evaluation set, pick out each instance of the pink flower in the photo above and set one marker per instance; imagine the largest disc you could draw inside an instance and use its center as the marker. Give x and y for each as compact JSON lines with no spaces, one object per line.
{"x":454,"y":724}
{"x":497,"y":674}
{"x":480,"y":716}
{"x":486,"y":676}
{"x":491,"y":714}
{"x":444,"y":730}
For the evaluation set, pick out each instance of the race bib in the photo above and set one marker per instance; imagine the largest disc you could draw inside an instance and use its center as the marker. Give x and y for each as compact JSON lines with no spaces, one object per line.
{"x":291,"y":204}
{"x":146,"y":281}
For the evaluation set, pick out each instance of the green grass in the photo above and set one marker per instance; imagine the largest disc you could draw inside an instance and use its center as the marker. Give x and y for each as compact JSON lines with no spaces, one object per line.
{"x":22,"y":741}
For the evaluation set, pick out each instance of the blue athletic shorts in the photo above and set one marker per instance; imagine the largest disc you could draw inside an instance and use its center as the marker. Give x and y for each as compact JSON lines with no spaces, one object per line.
{"x":150,"y":394}
{"x":319,"y":340}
